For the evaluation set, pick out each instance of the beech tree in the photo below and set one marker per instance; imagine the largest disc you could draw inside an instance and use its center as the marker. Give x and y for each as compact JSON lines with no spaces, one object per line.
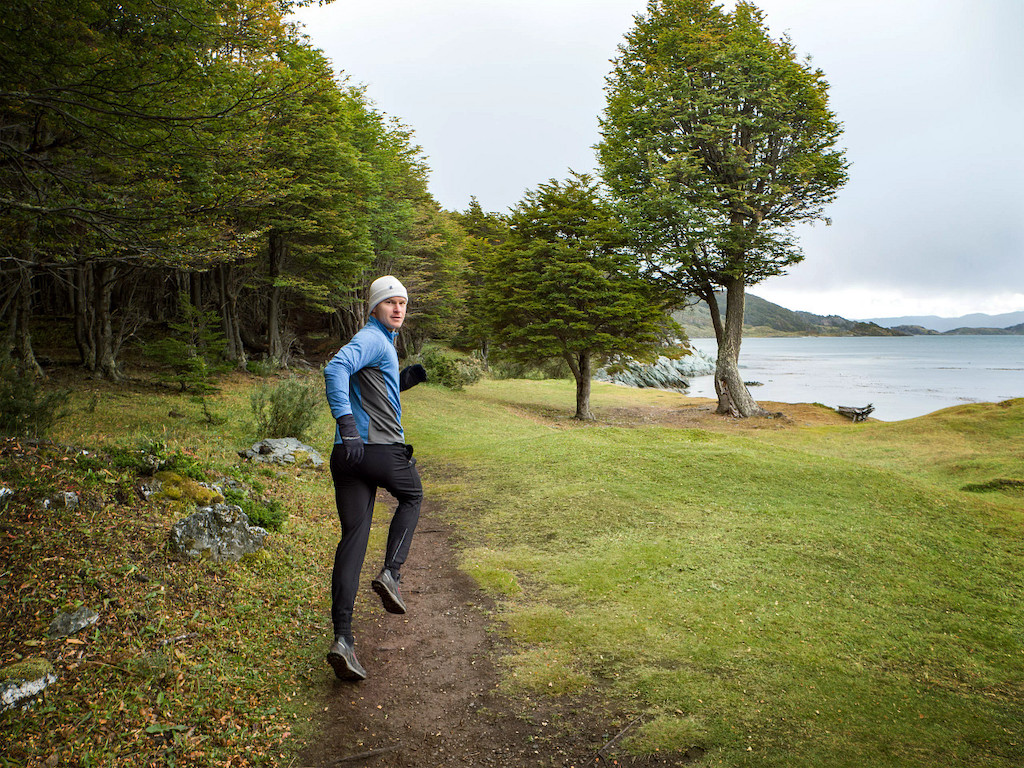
{"x":716,"y":141}
{"x":204,"y":146}
{"x":396,"y":202}
{"x":563,"y":286}
{"x":115,"y":121}
{"x":433,"y":271}
{"x":317,"y":232}
{"x":485,"y":232}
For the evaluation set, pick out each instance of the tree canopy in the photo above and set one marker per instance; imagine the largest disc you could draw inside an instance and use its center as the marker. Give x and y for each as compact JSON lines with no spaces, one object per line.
{"x":563,"y":286}
{"x":148,"y":148}
{"x":716,"y":141}
{"x":158,"y":159}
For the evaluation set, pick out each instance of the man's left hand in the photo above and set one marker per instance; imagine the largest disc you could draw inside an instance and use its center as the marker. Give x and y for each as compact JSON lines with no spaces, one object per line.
{"x":411,"y":376}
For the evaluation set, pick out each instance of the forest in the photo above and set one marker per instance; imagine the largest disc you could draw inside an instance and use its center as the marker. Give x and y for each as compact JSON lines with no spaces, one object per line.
{"x":204,"y":154}
{"x":203,"y":172}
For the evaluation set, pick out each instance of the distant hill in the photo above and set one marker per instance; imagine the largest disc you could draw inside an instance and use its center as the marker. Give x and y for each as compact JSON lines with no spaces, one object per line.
{"x":1013,"y":330}
{"x":958,"y":324}
{"x":763,"y":318}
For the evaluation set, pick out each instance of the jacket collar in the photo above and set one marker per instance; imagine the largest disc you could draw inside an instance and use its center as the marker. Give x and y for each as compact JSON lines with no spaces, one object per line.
{"x":392,"y":335}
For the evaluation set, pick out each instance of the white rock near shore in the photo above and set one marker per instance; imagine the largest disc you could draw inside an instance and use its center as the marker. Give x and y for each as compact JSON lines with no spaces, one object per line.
{"x":664,"y":373}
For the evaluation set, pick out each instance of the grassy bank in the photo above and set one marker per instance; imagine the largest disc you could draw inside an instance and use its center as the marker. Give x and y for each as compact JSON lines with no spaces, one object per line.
{"x":192,"y":663}
{"x":773,"y":593}
{"x":794,"y":597}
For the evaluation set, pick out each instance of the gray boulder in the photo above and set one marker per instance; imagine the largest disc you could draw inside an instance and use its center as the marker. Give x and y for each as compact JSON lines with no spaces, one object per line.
{"x":67,"y":500}
{"x":664,"y":373}
{"x":221,"y":532}
{"x":70,"y":623}
{"x":22,"y":683}
{"x":282,"y":450}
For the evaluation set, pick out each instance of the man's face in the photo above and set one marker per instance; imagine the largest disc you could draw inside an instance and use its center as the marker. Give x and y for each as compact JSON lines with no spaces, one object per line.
{"x":391,"y":312}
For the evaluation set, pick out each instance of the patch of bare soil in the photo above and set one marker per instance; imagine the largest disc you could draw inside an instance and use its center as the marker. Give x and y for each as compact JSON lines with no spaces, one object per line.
{"x":699,"y":413}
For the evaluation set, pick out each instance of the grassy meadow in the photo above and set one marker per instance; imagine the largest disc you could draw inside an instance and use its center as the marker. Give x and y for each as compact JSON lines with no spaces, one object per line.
{"x":802,"y":596}
{"x":774,"y":592}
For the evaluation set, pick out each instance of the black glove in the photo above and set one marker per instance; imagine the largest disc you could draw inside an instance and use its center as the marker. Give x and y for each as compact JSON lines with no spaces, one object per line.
{"x":350,"y":439}
{"x":411,"y":376}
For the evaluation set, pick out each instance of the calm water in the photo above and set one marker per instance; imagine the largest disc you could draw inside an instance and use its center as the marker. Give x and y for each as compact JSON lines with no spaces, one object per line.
{"x":903,"y":377}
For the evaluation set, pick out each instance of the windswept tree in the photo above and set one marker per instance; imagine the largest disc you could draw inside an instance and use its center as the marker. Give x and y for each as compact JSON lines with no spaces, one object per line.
{"x":716,"y":141}
{"x":564,"y":286}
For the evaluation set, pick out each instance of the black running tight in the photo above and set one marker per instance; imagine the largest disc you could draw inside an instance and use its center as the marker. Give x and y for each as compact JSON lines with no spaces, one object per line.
{"x":392,"y":468}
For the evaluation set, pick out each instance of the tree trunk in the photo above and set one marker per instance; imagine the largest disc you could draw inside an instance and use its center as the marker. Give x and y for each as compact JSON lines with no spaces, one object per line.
{"x":103,"y":331}
{"x":418,"y":340}
{"x":711,"y":299}
{"x":733,"y":396}
{"x":275,"y":346}
{"x":484,"y":352}
{"x":23,"y":334}
{"x":350,"y":320}
{"x":581,"y":367}
{"x":228,"y":296}
{"x":131,"y":317}
{"x":226,"y":321}
{"x":84,"y":315}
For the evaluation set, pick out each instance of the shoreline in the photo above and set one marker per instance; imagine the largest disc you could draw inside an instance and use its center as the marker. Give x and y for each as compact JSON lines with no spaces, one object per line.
{"x":903,"y":379}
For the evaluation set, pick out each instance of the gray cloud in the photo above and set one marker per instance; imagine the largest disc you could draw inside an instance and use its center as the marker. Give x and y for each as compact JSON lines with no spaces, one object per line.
{"x":505,"y":94}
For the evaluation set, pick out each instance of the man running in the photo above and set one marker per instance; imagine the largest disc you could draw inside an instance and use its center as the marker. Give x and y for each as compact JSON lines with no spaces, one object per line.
{"x":363,"y":384}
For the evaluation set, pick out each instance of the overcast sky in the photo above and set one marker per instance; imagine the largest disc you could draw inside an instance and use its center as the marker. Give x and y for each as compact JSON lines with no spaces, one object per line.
{"x":505,"y":94}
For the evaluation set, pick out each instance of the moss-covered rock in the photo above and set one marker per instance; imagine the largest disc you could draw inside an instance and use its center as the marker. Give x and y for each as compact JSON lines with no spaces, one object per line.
{"x":176,"y":487}
{"x":22,"y":683}
{"x":32,"y":668}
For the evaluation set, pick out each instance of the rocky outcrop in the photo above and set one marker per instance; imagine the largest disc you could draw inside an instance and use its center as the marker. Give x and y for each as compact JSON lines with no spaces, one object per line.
{"x":664,"y":373}
{"x":282,"y":450}
{"x":24,"y":682}
{"x":70,"y":623}
{"x":220,"y":532}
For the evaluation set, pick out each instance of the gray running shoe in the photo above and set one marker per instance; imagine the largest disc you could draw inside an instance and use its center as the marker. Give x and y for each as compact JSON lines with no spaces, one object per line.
{"x":342,"y":657}
{"x":386,"y":585}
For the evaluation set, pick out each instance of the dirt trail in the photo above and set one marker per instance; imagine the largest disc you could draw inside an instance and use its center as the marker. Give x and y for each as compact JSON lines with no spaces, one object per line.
{"x":431,"y":695}
{"x":431,"y":698}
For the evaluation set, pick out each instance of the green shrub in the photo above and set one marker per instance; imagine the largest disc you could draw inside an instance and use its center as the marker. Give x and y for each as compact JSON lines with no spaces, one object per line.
{"x":262,"y":368}
{"x":192,"y":353}
{"x":286,"y":409}
{"x":25,"y":410}
{"x":148,"y":456}
{"x":506,"y":368}
{"x":449,"y":368}
{"x":269,"y":514}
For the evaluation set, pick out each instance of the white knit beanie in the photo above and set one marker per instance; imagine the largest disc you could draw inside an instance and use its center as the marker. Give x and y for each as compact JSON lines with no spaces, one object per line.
{"x":385,"y":288}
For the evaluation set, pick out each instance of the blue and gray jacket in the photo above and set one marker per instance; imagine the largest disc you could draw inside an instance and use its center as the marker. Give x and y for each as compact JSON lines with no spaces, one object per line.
{"x":362,"y":379}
